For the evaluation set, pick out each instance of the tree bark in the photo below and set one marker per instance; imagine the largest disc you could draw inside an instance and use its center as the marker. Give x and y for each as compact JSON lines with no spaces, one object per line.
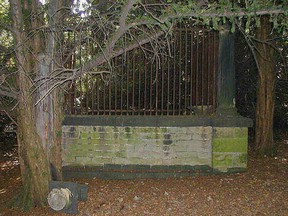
{"x":265,"y":55}
{"x":49,"y":110}
{"x":35,"y":167}
{"x":39,"y":127}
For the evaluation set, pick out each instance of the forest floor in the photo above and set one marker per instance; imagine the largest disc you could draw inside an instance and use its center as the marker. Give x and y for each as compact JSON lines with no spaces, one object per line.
{"x":262,"y":190}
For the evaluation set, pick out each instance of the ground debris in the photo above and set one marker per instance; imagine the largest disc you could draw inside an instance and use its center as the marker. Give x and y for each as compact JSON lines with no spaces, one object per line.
{"x":262,"y":190}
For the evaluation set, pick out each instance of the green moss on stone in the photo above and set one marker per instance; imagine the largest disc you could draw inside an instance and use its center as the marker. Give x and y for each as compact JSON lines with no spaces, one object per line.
{"x":241,"y":132}
{"x":222,"y":160}
{"x":230,"y":144}
{"x":240,"y":160}
{"x":230,"y":132}
{"x":83,"y":135}
{"x":121,"y":154}
{"x":243,"y":158}
{"x":163,"y":130}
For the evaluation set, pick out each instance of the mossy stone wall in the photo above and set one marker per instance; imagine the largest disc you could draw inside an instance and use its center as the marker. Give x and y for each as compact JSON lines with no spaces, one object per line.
{"x":100,"y":145}
{"x":176,"y":149}
{"x":230,"y":148}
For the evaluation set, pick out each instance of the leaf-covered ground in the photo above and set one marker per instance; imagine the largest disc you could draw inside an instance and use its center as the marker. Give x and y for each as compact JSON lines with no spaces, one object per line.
{"x":262,"y":190}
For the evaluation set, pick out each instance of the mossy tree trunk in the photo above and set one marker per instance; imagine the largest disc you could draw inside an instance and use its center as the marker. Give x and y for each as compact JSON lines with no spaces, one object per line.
{"x":35,"y":168}
{"x":265,"y":56}
{"x":39,"y":125}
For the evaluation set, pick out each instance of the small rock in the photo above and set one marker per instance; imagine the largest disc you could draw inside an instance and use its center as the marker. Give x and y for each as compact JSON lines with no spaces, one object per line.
{"x":209,"y":198}
{"x":137,"y":198}
{"x":166,"y":193}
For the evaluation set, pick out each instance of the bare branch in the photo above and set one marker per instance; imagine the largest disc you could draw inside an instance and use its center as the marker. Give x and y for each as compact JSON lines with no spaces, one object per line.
{"x":101,"y":59}
{"x":7,"y":92}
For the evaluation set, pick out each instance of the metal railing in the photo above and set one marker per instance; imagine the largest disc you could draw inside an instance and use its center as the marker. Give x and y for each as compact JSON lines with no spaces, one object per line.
{"x":183,"y":83}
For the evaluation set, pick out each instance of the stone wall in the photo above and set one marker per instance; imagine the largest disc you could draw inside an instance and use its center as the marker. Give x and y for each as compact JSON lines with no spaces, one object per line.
{"x":100,"y":145}
{"x":230,"y":148}
{"x":180,"y":150}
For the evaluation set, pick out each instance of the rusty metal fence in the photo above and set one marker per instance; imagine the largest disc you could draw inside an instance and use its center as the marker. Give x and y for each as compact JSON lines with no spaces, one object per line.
{"x":183,"y":83}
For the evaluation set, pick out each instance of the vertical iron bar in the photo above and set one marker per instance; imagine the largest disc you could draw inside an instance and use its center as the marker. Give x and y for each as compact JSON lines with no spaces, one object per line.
{"x":156,"y":86}
{"x":104,"y":97}
{"x":93,"y":96}
{"x":115,"y":84}
{"x":208,"y":70}
{"x":202,"y":71}
{"x":87,"y":96}
{"x":110,"y":92}
{"x":151,"y":87}
{"x":140,"y":70}
{"x":168,"y":84}
{"x":133,"y":81}
{"x":127,"y":82}
{"x":98,"y":95}
{"x":162,"y":85}
{"x":145,"y":86}
{"x":214,"y":70}
{"x":121,"y":85}
{"x":180,"y":71}
{"x":185,"y":71}
{"x":75,"y":97}
{"x":197,"y":69}
{"x":191,"y":73}
{"x":81,"y":96}
{"x":174,"y":72}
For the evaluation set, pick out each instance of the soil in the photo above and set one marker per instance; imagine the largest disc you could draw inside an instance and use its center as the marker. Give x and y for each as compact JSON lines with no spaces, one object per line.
{"x":262,"y":190}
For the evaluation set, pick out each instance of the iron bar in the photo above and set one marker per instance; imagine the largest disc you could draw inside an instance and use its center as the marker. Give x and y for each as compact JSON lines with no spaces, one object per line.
{"x":152,"y":84}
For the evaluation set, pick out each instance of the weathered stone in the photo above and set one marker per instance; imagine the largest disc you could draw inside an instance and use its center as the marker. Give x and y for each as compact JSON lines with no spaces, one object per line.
{"x":100,"y":161}
{"x":230,"y":144}
{"x":165,"y":146}
{"x":230,"y":132}
{"x":83,"y":160}
{"x":222,"y":161}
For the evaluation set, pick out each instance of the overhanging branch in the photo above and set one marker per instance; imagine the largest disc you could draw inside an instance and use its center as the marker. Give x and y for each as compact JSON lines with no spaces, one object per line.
{"x":7,"y":92}
{"x":211,"y":15}
{"x":101,"y":59}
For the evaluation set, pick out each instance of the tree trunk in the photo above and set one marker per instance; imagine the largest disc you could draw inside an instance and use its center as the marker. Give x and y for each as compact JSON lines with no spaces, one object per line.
{"x":38,"y":127}
{"x":49,"y":110}
{"x":265,"y":55}
{"x":35,"y":168}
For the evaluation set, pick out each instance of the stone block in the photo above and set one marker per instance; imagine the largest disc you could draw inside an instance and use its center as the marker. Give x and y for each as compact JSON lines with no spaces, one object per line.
{"x":200,"y":133}
{"x":180,"y":137}
{"x":121,"y":154}
{"x":103,"y":147}
{"x":83,"y":160}
{"x":95,"y":161}
{"x":230,"y":132}
{"x":120,"y":160}
{"x":223,"y":161}
{"x":230,"y":144}
{"x":176,"y":130}
{"x":192,"y":145}
{"x":240,"y":160}
{"x":205,"y":155}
